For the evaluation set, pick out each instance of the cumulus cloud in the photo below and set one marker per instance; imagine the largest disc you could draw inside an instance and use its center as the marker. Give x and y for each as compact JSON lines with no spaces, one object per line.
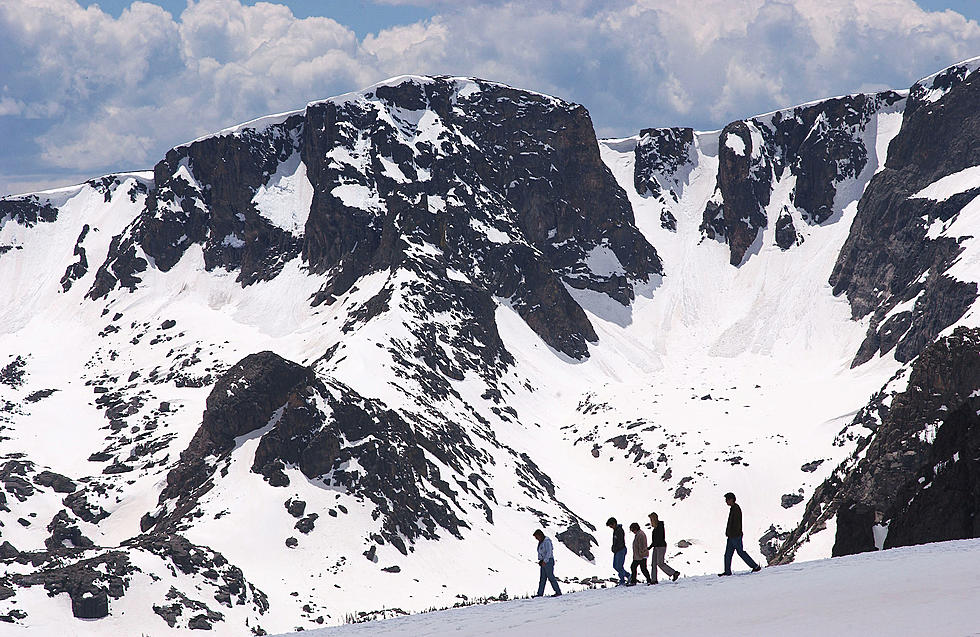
{"x":84,"y":92}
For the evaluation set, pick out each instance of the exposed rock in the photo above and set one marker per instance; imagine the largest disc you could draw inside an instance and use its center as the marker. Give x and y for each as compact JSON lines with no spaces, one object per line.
{"x":243,"y":400}
{"x":305,"y":525}
{"x":28,"y":210}
{"x":790,"y":500}
{"x":78,"y":504}
{"x":578,"y":541}
{"x":942,"y":500}
{"x":770,"y":541}
{"x":888,"y":257}
{"x":62,"y":531}
{"x":812,"y":466}
{"x":786,"y":235}
{"x":295,"y":508}
{"x":854,"y":532}
{"x":883,"y":473}
{"x":736,"y":214}
{"x":8,"y":552}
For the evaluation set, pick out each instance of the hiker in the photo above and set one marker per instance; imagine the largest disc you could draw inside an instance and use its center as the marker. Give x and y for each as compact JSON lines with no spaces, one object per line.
{"x":619,"y":550}
{"x":546,"y":560}
{"x":658,"y":549}
{"x":734,"y":533}
{"x":640,"y":554}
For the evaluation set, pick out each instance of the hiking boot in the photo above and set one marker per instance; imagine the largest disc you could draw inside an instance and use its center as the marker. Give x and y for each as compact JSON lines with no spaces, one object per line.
{"x":723,"y":574}
{"x":674,"y":577}
{"x":756,"y":569}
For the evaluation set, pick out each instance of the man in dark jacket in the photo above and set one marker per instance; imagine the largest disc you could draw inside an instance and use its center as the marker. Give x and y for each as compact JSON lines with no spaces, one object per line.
{"x":619,"y":550}
{"x":734,"y":533}
{"x":546,"y":560}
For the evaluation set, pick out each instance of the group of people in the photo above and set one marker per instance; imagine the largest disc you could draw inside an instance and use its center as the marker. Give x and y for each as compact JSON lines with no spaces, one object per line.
{"x":656,"y":551}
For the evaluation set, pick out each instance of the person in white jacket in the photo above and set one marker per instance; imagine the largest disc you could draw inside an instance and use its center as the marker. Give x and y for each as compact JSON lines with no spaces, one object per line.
{"x":546,"y":560}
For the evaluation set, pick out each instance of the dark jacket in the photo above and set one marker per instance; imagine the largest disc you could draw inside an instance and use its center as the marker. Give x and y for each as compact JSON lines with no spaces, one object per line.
{"x":734,"y":528}
{"x":658,"y":538}
{"x":619,"y":539}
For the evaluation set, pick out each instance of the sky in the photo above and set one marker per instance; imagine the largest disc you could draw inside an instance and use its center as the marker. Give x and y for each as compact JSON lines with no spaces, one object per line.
{"x":88,"y":88}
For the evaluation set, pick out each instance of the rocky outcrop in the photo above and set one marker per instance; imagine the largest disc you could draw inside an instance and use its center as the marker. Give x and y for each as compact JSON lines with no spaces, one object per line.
{"x":889,"y":478}
{"x":892,"y":255}
{"x":736,"y":213}
{"x":659,"y":154}
{"x":28,"y":210}
{"x":819,"y":145}
{"x":248,"y":397}
{"x":489,"y":175}
{"x":942,"y":500}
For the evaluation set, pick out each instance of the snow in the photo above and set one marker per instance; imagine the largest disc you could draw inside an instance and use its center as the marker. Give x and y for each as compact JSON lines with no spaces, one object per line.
{"x":943,"y":189}
{"x":602,"y":261}
{"x":358,"y":196}
{"x":934,"y":94}
{"x":286,"y":198}
{"x":873,"y":593}
{"x":736,"y":143}
{"x":768,"y":341}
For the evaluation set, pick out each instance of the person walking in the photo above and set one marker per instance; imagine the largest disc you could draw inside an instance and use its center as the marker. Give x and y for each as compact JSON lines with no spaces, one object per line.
{"x":619,"y":550}
{"x":734,"y":533}
{"x":658,"y":549}
{"x":640,"y":554}
{"x":546,"y":560}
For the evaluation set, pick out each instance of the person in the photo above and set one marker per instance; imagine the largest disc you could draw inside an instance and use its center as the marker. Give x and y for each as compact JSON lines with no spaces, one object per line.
{"x":640,"y":554}
{"x":619,"y":550}
{"x":734,"y":533}
{"x":658,"y":549}
{"x":546,"y":560}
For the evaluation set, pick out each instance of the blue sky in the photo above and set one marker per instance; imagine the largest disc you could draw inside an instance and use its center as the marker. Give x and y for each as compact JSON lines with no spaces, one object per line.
{"x":88,"y":88}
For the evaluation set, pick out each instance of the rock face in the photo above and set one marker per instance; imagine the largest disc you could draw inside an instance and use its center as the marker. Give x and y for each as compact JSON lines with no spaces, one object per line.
{"x":489,"y":174}
{"x":819,"y":147}
{"x":898,"y":252}
{"x":248,"y":397}
{"x":322,"y":427}
{"x":922,"y":440}
{"x":439,"y":257}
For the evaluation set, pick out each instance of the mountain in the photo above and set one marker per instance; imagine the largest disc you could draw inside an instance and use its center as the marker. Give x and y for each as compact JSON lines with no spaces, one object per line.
{"x":344,"y":360}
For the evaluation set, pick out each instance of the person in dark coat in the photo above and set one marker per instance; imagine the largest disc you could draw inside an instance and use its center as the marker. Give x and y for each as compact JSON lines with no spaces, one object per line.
{"x":546,"y":560}
{"x":734,"y":533}
{"x":640,"y":553}
{"x":658,"y":549}
{"x":619,"y":550}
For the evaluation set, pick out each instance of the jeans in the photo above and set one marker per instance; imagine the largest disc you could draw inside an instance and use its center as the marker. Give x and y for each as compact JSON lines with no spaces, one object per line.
{"x":548,"y":574}
{"x":735,"y":546}
{"x":619,"y":559}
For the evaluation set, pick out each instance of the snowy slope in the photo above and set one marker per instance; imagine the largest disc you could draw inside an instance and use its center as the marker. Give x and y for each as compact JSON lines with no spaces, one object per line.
{"x":886,"y":593}
{"x":482,"y":342}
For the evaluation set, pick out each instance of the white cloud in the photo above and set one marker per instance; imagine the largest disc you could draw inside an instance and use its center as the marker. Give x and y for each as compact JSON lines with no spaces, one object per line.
{"x":114,"y":93}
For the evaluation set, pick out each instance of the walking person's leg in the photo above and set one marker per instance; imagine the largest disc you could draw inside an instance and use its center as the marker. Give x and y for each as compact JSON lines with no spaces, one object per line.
{"x":661,"y":553}
{"x":618,"y":561}
{"x":646,"y":573}
{"x":729,"y":551}
{"x":542,"y":579}
{"x":549,"y":568}
{"x":745,"y":556}
{"x":633,"y":568}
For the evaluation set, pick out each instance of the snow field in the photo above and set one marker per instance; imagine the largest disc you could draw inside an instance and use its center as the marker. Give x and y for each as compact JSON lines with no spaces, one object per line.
{"x":921,"y":590}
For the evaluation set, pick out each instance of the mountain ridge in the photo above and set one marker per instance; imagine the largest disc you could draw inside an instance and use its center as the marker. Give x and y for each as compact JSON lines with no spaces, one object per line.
{"x":392,"y":332}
